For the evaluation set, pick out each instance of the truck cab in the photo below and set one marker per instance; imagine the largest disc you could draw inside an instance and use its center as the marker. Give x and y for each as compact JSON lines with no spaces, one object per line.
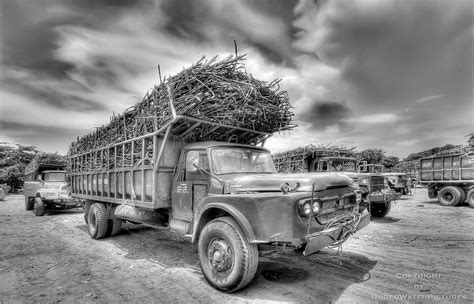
{"x":49,"y":191}
{"x":376,"y":194}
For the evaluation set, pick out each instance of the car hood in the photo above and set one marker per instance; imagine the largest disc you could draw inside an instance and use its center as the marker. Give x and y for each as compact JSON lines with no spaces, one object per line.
{"x":274,"y":182}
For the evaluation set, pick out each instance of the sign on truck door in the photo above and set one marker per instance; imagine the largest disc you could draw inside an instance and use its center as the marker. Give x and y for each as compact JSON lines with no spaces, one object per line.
{"x":191,"y":184}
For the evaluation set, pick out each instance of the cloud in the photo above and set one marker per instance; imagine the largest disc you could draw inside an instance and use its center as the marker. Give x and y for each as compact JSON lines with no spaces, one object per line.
{"x":430,"y":98}
{"x":322,"y":114}
{"x":379,"y":118}
{"x":389,"y":50}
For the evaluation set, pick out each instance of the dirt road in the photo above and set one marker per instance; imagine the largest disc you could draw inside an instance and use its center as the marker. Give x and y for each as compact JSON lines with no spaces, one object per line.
{"x":420,"y":253}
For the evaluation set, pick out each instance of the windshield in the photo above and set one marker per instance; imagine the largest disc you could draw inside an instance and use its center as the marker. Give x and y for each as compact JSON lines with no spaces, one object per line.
{"x":54,"y":177}
{"x":241,"y":160}
{"x":342,"y":165}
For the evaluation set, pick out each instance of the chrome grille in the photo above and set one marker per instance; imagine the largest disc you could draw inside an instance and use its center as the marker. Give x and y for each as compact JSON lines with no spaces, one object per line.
{"x":377,"y":183}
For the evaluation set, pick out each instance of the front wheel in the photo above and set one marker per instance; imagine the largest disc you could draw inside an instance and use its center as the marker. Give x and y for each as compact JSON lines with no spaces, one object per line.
{"x":380,"y":209}
{"x":38,"y":207}
{"x":227,"y":260}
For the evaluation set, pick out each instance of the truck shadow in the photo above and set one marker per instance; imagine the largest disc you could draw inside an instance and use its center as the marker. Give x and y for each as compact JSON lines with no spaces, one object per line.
{"x":385,"y":220}
{"x":319,"y":278}
{"x":59,"y":212}
{"x":280,"y":275}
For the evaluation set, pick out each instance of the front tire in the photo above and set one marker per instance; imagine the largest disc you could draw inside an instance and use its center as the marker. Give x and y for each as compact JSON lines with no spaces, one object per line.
{"x":227,"y":260}
{"x":449,"y":196}
{"x":38,"y":207}
{"x":380,"y":209}
{"x":97,"y":221}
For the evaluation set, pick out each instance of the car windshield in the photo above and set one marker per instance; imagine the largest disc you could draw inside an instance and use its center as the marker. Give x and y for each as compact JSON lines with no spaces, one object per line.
{"x":54,"y":177}
{"x":241,"y":160}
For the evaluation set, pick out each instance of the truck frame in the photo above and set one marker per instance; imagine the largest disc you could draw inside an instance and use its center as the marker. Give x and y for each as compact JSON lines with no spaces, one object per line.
{"x":162,"y":179}
{"x":449,"y":178}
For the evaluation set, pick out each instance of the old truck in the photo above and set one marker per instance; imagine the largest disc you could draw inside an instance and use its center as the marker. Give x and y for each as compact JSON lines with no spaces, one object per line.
{"x":449,"y":178}
{"x":224,"y":196}
{"x":45,"y":186}
{"x":376,"y":196}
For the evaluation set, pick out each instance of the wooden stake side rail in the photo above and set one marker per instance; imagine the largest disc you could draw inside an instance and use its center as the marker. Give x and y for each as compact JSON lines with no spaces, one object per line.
{"x":137,"y":171}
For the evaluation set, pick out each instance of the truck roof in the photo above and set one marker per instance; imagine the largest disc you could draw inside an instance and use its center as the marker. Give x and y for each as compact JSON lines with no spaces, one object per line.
{"x":211,"y":144}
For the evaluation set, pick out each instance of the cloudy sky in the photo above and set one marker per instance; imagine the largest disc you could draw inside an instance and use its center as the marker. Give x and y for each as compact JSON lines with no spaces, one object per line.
{"x":388,"y":74}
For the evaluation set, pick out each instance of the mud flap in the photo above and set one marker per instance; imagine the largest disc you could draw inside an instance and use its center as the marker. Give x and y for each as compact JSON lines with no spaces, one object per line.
{"x":318,"y":240}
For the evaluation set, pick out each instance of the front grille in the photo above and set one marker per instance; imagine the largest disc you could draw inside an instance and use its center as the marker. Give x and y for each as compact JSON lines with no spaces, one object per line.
{"x":377,"y":183}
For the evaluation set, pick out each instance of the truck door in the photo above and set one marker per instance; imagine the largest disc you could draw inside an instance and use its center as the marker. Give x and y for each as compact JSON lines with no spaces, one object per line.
{"x":191,"y":184}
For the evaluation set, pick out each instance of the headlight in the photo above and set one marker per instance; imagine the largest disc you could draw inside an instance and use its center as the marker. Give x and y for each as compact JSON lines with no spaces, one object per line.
{"x":307,"y":206}
{"x":316,"y":207}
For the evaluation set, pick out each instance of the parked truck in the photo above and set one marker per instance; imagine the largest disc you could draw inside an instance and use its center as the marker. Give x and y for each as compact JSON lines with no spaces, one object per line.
{"x":226,"y":197}
{"x":449,"y":178}
{"x":376,"y":196}
{"x":45,"y":186}
{"x":190,"y":158}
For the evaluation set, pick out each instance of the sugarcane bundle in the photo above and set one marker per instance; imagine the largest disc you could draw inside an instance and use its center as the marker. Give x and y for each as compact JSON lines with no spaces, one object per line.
{"x":47,"y":160}
{"x":293,"y":160}
{"x":220,"y":92}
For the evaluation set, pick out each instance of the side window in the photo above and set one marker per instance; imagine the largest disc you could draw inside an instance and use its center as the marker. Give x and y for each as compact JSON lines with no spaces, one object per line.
{"x":323,"y":166}
{"x":196,"y":163}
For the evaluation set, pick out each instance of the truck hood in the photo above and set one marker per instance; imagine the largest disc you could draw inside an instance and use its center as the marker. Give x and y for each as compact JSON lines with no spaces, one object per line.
{"x":273,"y":182}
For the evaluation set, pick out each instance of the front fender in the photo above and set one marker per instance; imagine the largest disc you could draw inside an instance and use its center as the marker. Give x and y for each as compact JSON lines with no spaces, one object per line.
{"x":206,"y":214}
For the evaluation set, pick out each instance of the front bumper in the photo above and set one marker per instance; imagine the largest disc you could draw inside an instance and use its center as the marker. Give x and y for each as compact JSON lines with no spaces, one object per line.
{"x":384,"y":197}
{"x":318,"y":240}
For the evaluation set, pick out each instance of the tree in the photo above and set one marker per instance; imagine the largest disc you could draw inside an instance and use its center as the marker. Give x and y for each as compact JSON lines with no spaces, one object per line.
{"x":13,"y":161}
{"x":371,"y":156}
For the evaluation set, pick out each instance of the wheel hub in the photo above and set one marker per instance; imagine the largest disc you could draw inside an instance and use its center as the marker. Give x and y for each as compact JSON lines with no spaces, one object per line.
{"x":221,"y":256}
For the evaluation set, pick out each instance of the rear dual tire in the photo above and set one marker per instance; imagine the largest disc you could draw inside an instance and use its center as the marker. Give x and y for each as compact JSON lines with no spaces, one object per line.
{"x":470,"y":198}
{"x":451,"y":196}
{"x":98,"y":223}
{"x":29,"y":203}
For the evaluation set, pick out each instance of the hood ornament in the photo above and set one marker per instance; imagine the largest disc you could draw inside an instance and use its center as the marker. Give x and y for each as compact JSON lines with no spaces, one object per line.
{"x":286,"y":188}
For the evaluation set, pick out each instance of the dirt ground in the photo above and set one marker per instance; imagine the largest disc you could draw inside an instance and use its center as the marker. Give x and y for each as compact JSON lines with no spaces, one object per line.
{"x":420,"y":253}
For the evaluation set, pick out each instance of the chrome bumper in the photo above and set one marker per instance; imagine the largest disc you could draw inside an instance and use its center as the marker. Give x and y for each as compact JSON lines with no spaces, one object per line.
{"x":384,"y":197}
{"x":318,"y":240}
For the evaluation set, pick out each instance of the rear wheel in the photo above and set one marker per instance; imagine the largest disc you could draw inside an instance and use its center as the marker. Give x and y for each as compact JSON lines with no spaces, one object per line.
{"x":97,"y":221}
{"x":463,"y":195}
{"x":87,"y":206}
{"x":380,"y":209}
{"x":29,"y":203}
{"x":449,"y":196}
{"x":227,"y":260}
{"x":470,"y":198}
{"x":115,"y":225}
{"x":39,"y":207}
